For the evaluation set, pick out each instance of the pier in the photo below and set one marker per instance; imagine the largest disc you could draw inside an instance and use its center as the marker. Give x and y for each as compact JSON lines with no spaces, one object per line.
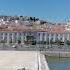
{"x":19,"y":60}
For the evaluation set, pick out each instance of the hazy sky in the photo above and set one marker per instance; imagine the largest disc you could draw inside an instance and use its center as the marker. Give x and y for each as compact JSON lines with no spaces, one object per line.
{"x":54,"y":10}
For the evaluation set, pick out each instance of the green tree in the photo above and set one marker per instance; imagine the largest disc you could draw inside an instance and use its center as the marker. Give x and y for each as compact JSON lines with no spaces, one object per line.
{"x":67,"y":42}
{"x":10,"y":41}
{"x":47,"y":42}
{"x":2,"y":41}
{"x":51,"y":41}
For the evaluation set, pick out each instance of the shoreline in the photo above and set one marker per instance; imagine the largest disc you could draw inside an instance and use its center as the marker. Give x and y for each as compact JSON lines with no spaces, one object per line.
{"x":60,"y":54}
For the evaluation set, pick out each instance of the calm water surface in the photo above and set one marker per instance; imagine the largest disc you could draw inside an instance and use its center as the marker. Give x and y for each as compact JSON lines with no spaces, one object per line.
{"x":56,"y":63}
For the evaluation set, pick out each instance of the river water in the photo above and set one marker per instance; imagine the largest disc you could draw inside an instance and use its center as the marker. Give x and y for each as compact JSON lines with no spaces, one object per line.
{"x":56,"y":63}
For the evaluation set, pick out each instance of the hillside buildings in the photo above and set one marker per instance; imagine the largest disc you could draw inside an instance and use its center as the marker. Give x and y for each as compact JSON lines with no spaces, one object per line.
{"x":14,"y":30}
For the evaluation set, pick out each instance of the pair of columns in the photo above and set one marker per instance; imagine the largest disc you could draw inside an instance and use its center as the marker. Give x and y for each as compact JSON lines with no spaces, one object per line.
{"x":54,"y":37}
{"x":14,"y":37}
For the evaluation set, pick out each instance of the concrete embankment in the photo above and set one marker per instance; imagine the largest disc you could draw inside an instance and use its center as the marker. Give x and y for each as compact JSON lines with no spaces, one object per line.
{"x":43,"y":65}
{"x":16,"y":60}
{"x":57,"y":53}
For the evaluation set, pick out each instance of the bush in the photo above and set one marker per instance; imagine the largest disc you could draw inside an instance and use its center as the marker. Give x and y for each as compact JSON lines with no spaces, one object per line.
{"x":67,"y":42}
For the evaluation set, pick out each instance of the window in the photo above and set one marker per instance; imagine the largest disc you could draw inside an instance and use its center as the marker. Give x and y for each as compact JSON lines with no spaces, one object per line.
{"x":5,"y":33}
{"x":56,"y":34}
{"x":1,"y":33}
{"x":10,"y":34}
{"x":56,"y":38}
{"x":29,"y":33}
{"x":52,"y":38}
{"x":19,"y":33}
{"x":61,"y":38}
{"x":15,"y":33}
{"x":5,"y":37}
{"x":10,"y":37}
{"x":39,"y":34}
{"x":24,"y":34}
{"x":1,"y":37}
{"x":61,"y":35}
{"x":51,"y":34}
{"x":47,"y":34}
{"x":19,"y":38}
{"x":43,"y":34}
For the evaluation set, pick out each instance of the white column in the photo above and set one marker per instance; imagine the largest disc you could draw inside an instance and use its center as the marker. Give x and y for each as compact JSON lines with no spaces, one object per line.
{"x":54,"y":37}
{"x":17,"y":37}
{"x":68,"y":36}
{"x":45,"y":37}
{"x":22,"y":38}
{"x":8,"y":39}
{"x":49,"y":36}
{"x":63,"y":38}
{"x":59,"y":36}
{"x":0,"y":36}
{"x":3,"y":36}
{"x":12,"y":37}
{"x":38,"y":37}
{"x":41,"y":34}
{"x":25,"y":36}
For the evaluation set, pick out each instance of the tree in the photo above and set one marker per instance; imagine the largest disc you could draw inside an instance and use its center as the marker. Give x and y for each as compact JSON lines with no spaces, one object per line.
{"x":59,"y":43}
{"x":47,"y":42}
{"x":51,"y":41}
{"x":2,"y":41}
{"x":19,"y":41}
{"x":31,"y":18}
{"x":11,"y":41}
{"x":34,"y":19}
{"x":37,"y":19}
{"x":67,"y":42}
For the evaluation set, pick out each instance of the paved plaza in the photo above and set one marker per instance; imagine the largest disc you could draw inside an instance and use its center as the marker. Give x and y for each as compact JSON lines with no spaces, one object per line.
{"x":14,"y":60}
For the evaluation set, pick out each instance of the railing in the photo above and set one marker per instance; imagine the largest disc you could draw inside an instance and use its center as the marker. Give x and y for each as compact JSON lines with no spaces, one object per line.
{"x":37,"y":47}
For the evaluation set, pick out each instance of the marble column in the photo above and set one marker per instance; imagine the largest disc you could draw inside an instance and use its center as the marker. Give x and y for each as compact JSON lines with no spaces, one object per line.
{"x":45,"y":38}
{"x":49,"y":36}
{"x":8,"y":38}
{"x":58,"y":36}
{"x":54,"y":36}
{"x":41,"y":35}
{"x":17,"y":37}
{"x":3,"y":36}
{"x":68,"y":36}
{"x":12,"y":37}
{"x":22,"y":38}
{"x":63,"y":38}
{"x":25,"y":36}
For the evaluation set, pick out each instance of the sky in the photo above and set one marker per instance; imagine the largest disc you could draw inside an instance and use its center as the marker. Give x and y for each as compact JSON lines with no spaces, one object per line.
{"x":52,"y":10}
